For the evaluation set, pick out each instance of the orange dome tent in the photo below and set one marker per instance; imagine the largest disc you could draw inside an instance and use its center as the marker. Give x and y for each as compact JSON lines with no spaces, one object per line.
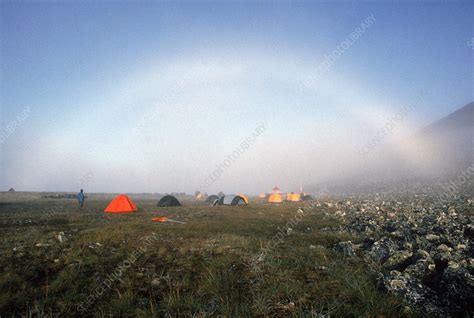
{"x":121,"y":203}
{"x":275,"y":198}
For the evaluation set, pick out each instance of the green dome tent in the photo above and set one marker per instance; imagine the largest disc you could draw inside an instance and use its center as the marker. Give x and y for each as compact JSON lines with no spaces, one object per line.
{"x":232,"y":199}
{"x":168,"y":200}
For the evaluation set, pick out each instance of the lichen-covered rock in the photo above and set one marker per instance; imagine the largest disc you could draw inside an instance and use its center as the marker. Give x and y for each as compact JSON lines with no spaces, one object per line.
{"x":432,"y":237}
{"x":382,"y":250}
{"x":347,"y":248}
{"x":399,"y":260}
{"x":423,"y":269}
{"x":457,"y":284}
{"x":419,"y":246}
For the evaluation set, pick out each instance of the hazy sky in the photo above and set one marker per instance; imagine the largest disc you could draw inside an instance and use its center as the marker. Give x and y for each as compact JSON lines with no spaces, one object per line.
{"x":151,"y":97}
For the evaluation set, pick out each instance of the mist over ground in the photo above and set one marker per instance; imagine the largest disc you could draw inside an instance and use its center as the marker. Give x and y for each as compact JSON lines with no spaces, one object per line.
{"x":116,"y":106}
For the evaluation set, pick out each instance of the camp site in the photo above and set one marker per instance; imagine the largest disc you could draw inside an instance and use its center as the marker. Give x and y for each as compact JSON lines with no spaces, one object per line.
{"x":236,"y":158}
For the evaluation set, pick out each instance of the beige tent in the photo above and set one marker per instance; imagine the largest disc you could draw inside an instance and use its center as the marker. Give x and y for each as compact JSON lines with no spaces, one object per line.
{"x":293,"y":197}
{"x":275,"y":198}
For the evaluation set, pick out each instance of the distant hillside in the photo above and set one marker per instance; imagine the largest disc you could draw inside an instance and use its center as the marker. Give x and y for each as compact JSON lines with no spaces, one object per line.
{"x":441,"y":150}
{"x":461,"y":119}
{"x":451,"y":140}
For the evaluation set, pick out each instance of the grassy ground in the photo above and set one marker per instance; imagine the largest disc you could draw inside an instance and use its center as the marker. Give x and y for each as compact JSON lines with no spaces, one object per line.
{"x":224,"y":261}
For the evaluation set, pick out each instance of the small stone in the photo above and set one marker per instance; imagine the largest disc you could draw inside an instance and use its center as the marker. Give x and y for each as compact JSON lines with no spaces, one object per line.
{"x":42,"y":245}
{"x":382,"y":250}
{"x":398,"y":259}
{"x":444,"y":248}
{"x":422,"y":269}
{"x":395,"y":273}
{"x":347,"y":248}
{"x":423,"y":254}
{"x":453,"y":264}
{"x":397,"y":284}
{"x":407,"y":246}
{"x":432,"y":237}
{"x":61,"y":237}
{"x":155,"y":282}
{"x":442,"y":258}
{"x":461,"y":247}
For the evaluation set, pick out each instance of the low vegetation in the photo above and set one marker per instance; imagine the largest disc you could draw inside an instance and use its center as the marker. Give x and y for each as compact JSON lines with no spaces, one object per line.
{"x":59,"y":260}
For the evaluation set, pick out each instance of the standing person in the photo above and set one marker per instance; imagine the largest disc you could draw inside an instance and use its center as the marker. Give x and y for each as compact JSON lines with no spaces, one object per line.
{"x":80,"y":198}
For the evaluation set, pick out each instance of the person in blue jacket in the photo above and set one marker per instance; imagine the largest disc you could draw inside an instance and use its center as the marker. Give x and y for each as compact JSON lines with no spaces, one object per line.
{"x":80,"y":198}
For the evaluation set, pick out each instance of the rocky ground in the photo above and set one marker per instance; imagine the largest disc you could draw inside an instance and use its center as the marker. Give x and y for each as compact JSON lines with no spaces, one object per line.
{"x":419,"y":247}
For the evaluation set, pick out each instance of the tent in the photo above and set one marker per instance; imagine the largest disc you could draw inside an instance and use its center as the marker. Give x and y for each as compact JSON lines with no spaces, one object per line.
{"x":11,"y":190}
{"x":293,"y":197}
{"x":307,"y":197}
{"x":121,"y":203}
{"x":232,"y":199}
{"x":262,"y":195}
{"x":246,"y":198}
{"x":168,"y":200}
{"x":212,"y":198}
{"x":201,"y":196}
{"x":276,"y":189}
{"x":275,"y":198}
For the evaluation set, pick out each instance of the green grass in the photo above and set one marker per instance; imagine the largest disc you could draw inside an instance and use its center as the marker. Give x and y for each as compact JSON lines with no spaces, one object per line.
{"x":201,"y":268}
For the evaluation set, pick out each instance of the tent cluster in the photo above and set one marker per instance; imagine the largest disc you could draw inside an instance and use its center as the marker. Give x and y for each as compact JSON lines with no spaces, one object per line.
{"x":228,"y":199}
{"x":277,"y":197}
{"x":123,"y":204}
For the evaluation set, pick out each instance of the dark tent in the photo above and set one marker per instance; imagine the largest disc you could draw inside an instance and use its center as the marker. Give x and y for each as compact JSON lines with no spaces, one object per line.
{"x":11,"y":190}
{"x":212,"y":198}
{"x":307,"y":197}
{"x":168,"y":200}
{"x":232,"y":199}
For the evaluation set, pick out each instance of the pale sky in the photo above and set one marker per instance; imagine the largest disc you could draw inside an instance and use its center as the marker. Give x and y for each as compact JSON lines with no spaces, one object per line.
{"x":151,"y":97}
